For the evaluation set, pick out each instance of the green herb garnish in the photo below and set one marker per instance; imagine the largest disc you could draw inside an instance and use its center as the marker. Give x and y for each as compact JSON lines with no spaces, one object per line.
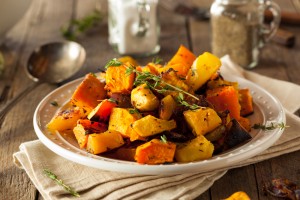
{"x":164,"y":139}
{"x":134,"y":111}
{"x":112,"y":100}
{"x":271,"y":126}
{"x":157,"y":60}
{"x":180,"y":100}
{"x":113,"y":63}
{"x":77,"y":26}
{"x":54,"y":103}
{"x":52,"y":176}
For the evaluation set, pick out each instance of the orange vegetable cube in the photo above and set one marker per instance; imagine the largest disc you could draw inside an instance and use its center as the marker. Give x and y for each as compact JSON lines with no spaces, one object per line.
{"x":88,"y":93}
{"x":102,"y":110}
{"x":225,"y":98}
{"x":155,"y":152}
{"x":246,"y":102}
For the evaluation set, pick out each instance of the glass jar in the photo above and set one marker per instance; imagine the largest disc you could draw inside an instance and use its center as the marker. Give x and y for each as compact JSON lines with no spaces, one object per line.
{"x":238,"y":29}
{"x":133,"y":27}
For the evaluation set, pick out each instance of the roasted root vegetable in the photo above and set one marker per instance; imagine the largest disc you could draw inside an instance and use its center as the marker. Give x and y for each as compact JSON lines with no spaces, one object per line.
{"x":202,"y":120}
{"x":198,"y":148}
{"x":85,"y":127}
{"x":66,"y":119}
{"x":225,"y":98}
{"x":205,"y":66}
{"x":150,"y":125}
{"x":155,"y":152}
{"x":117,"y":81}
{"x":166,"y":108}
{"x":238,"y":196}
{"x":102,"y":110}
{"x":102,"y":142}
{"x":88,"y":93}
{"x":246,"y":102}
{"x":143,"y":98}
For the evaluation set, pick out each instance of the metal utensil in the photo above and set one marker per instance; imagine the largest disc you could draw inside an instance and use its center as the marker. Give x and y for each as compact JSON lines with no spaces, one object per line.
{"x":50,"y":63}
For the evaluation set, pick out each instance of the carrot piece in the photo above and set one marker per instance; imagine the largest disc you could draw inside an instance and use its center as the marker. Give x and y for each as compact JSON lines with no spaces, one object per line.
{"x":103,"y":110}
{"x":246,"y":102}
{"x":88,"y":93}
{"x":225,"y":98}
{"x":84,"y":128}
{"x":155,"y":152}
{"x":181,"y":61}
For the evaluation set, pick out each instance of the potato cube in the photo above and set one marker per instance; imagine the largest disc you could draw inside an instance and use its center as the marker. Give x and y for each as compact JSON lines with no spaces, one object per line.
{"x":197,"y":149}
{"x":143,"y":99}
{"x":202,"y":121}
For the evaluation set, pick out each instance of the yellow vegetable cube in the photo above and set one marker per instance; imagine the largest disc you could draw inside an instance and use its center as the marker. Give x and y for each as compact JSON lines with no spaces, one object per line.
{"x":143,"y":98}
{"x":150,"y":125}
{"x":102,"y":142}
{"x":202,"y":120}
{"x":197,"y":149}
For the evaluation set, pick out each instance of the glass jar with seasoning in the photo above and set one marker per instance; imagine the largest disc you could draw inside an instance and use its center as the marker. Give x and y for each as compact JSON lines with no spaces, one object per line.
{"x":133,"y":27}
{"x":238,"y":29}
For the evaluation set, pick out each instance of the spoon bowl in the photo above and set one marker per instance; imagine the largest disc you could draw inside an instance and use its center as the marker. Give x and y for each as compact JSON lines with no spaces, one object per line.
{"x":55,"y":62}
{"x":50,"y":63}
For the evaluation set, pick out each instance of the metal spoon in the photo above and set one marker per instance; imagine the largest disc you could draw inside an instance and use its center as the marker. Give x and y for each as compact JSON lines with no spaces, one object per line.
{"x":51,"y":63}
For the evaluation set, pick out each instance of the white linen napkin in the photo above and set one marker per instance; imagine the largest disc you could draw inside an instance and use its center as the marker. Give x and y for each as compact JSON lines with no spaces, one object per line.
{"x":92,"y":183}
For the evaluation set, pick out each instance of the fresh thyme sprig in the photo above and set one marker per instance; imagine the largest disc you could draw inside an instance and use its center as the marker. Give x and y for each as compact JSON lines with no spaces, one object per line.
{"x":52,"y":176}
{"x":164,"y":139}
{"x":157,"y":60}
{"x":113,"y":63}
{"x":180,"y":100}
{"x":271,"y":126}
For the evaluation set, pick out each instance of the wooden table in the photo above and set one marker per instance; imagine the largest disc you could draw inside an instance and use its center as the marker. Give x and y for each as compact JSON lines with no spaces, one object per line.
{"x":42,"y":24}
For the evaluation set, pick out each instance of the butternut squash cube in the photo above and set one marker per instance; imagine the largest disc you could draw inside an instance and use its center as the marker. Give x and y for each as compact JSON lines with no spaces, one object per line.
{"x":198,"y":148}
{"x":246,"y":102}
{"x":151,"y":125}
{"x":102,"y":142}
{"x":117,"y":81}
{"x":66,"y":119}
{"x":202,"y":120}
{"x":88,"y":93}
{"x":143,"y":98}
{"x":155,"y":152}
{"x":120,"y":120}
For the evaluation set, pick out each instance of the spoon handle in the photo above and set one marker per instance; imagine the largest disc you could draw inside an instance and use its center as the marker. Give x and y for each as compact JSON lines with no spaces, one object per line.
{"x":16,"y":99}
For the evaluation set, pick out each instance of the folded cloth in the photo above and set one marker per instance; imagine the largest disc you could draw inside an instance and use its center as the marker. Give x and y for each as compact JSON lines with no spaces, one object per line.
{"x":92,"y":183}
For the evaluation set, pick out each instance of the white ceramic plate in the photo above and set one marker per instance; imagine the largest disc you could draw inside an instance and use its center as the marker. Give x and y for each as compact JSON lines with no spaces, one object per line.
{"x":266,"y":109}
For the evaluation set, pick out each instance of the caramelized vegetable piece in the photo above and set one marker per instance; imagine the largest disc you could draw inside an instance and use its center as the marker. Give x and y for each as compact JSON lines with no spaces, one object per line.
{"x":121,"y":119}
{"x":172,"y":78}
{"x":129,"y":59}
{"x":102,"y":110}
{"x":102,"y":142}
{"x":246,"y":102}
{"x":181,"y":61}
{"x":88,"y":93}
{"x":123,"y":153}
{"x":66,"y":119}
{"x":245,"y":123}
{"x":166,"y":108}
{"x":117,"y":81}
{"x":143,"y":98}
{"x":155,"y":152}
{"x":198,"y":148}
{"x":202,"y":120}
{"x":202,"y":69}
{"x":150,"y":125}
{"x":153,"y":68}
{"x":84,"y":128}
{"x":238,"y":196}
{"x":225,"y":98}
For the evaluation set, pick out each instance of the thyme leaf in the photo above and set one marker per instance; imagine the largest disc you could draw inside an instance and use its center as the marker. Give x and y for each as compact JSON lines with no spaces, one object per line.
{"x":113,"y":63}
{"x":52,"y":176}
{"x":180,"y":100}
{"x":54,"y":103}
{"x":271,"y":126}
{"x":157,"y":60}
{"x":164,"y":139}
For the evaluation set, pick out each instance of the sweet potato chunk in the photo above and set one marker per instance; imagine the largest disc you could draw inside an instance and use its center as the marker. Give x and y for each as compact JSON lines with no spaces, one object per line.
{"x":155,"y":152}
{"x":117,"y":81}
{"x":225,"y":98}
{"x":66,"y":119}
{"x":143,"y":98}
{"x":197,"y":149}
{"x":151,"y":125}
{"x":202,"y":121}
{"x":88,"y":93}
{"x":102,"y":110}
{"x":102,"y":142}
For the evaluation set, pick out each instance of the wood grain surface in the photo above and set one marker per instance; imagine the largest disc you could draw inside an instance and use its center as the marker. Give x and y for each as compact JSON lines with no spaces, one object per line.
{"x":42,"y":24}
